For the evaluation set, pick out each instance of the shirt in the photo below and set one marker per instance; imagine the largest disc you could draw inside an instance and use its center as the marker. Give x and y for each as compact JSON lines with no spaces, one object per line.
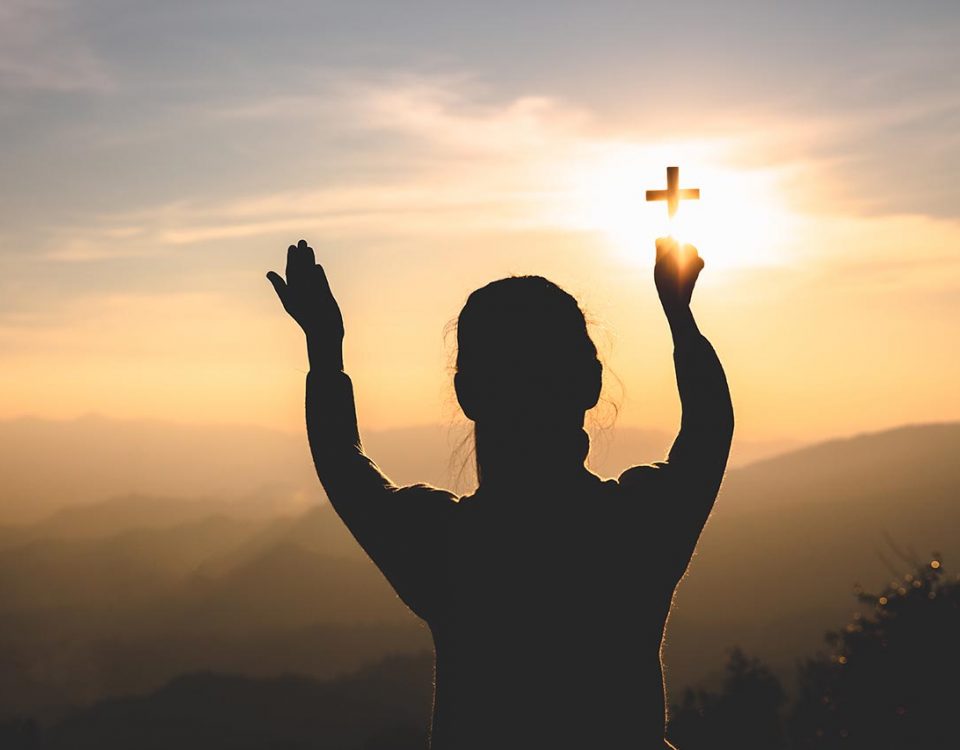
{"x":547,"y":601}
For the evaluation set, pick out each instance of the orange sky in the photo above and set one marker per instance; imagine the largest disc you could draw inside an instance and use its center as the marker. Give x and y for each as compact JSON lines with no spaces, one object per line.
{"x":133,"y":274}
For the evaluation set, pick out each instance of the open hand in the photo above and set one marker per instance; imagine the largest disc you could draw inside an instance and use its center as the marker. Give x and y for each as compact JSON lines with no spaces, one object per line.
{"x":306,"y":296}
{"x":675,"y":274}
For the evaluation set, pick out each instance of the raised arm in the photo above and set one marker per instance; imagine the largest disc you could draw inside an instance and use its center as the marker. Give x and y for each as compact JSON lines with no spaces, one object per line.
{"x":686,"y":484}
{"x":706,"y":427}
{"x":353,"y":483}
{"x":397,"y":526}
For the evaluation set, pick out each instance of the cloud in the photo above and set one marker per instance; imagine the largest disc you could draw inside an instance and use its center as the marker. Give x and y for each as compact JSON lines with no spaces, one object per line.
{"x":457,"y":160}
{"x":462,"y":167}
{"x":435,"y":206}
{"x":42,"y":49}
{"x":441,"y":115}
{"x":451,"y":164}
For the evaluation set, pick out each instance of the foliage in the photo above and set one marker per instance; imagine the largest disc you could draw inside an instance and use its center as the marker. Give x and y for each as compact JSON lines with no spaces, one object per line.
{"x":887,"y":680}
{"x":746,"y":714}
{"x":890,"y":677}
{"x":19,"y":734}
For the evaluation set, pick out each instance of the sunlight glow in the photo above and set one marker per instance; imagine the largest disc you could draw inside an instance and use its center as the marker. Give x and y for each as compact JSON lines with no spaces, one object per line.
{"x":736,"y":223}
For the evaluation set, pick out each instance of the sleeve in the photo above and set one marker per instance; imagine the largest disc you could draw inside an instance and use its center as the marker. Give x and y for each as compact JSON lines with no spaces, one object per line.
{"x":678,"y":494}
{"x":402,"y":529}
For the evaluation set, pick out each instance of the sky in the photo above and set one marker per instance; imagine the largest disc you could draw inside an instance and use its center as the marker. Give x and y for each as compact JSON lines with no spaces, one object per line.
{"x":158,"y":158}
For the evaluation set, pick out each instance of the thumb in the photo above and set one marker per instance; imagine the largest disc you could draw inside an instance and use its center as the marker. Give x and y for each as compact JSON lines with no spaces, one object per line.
{"x":279,"y":285}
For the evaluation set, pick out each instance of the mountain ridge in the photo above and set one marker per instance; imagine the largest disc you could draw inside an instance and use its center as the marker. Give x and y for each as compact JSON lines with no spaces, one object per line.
{"x":49,"y":465}
{"x":775,"y":567}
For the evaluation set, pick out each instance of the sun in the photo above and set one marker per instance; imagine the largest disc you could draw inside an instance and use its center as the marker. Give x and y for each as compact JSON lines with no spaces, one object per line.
{"x":737,"y":222}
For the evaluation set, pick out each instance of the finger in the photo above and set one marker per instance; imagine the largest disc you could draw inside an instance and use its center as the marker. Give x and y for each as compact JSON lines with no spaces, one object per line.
{"x":305,"y":255}
{"x":692,"y":258}
{"x":299,"y":265}
{"x":291,"y":261}
{"x":665,"y":245}
{"x":321,"y":277}
{"x":279,"y":285}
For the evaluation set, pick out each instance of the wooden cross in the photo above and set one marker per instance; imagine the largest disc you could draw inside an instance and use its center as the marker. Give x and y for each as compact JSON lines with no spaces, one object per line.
{"x":673,"y":194}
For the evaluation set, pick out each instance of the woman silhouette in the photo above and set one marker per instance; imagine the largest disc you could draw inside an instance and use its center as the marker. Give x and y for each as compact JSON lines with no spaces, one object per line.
{"x":547,"y":590}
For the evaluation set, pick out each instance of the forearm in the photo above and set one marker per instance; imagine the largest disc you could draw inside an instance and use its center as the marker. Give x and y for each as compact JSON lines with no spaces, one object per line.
{"x":706,"y":426}
{"x":324,"y":354}
{"x":330,"y":409}
{"x":683,"y":326}
{"x":353,"y":483}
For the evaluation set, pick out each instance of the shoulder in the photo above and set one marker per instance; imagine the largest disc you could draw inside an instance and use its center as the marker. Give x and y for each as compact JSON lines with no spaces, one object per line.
{"x":645,"y":476}
{"x":422,"y":489}
{"x":426,"y":498}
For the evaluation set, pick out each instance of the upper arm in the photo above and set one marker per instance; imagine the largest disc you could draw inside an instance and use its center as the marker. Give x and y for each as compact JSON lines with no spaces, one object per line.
{"x":404,"y":532}
{"x":678,"y":494}
{"x":675,"y":503}
{"x":401,"y":528}
{"x":701,"y":449}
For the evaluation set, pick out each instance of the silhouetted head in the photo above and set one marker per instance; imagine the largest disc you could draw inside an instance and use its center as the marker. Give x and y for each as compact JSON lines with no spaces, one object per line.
{"x":524,"y":357}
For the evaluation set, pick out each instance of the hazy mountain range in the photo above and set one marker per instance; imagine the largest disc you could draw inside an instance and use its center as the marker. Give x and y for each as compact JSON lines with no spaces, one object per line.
{"x":119,"y":597}
{"x":382,"y":707}
{"x":50,"y":465}
{"x":791,"y":535}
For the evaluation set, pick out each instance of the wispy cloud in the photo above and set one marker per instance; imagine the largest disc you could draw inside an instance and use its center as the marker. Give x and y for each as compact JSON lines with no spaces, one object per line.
{"x":455,"y":165}
{"x":461,"y":162}
{"x":41,"y":48}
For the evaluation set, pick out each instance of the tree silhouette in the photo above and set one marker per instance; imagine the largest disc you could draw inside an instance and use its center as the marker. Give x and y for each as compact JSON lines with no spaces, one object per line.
{"x":19,"y":734}
{"x":745,"y":715}
{"x":889,"y":679}
{"x":886,"y":681}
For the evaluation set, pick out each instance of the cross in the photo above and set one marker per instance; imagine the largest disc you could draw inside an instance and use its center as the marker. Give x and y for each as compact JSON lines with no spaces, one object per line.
{"x":673,"y":194}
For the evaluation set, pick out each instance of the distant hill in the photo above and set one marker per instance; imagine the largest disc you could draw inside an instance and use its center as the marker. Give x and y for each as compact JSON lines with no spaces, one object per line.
{"x":287,"y":585}
{"x":53,"y":466}
{"x":383,"y":706}
{"x":790,"y":536}
{"x":48,"y":465}
{"x":90,"y":608}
